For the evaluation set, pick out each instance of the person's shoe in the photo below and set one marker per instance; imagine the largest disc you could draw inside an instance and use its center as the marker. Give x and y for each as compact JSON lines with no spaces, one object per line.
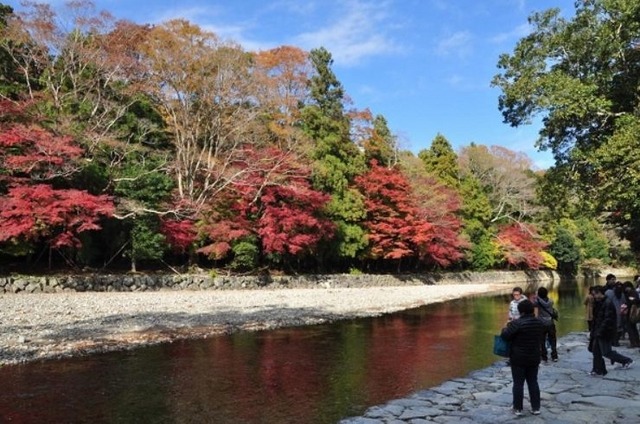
{"x":536,"y":412}
{"x":555,"y":359}
{"x":517,"y":412}
{"x":627,"y":364}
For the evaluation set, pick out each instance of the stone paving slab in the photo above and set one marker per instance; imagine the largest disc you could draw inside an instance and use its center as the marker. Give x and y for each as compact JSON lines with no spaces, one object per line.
{"x":569,"y":395}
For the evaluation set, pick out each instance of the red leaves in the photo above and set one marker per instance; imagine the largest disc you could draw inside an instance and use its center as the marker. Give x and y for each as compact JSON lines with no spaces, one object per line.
{"x":179,"y":234}
{"x":391,"y":213}
{"x":401,"y":227}
{"x":275,"y":202}
{"x":31,"y":212}
{"x":521,"y":246}
{"x":291,"y":223}
{"x":33,"y":153}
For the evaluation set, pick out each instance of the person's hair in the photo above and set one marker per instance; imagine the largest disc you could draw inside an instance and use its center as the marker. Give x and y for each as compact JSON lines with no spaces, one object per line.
{"x":600,"y":289}
{"x":610,"y":277}
{"x":525,"y":307}
{"x":517,"y":289}
{"x":543,"y":292}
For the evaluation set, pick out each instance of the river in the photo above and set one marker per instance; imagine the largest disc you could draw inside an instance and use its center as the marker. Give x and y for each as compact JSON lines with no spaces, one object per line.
{"x":316,"y":374}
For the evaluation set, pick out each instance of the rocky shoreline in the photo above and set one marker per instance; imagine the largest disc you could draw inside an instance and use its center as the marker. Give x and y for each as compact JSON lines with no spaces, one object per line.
{"x":41,"y":326}
{"x":569,"y":394}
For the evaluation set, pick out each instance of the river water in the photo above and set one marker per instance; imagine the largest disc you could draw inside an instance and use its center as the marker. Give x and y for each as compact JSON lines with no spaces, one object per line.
{"x":315,"y":374}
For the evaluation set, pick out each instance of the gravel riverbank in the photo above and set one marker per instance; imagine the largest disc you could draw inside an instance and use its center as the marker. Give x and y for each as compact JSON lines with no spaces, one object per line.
{"x":45,"y":326}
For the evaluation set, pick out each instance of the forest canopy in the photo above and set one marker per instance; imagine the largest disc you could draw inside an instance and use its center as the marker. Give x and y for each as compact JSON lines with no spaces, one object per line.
{"x":128,"y":146}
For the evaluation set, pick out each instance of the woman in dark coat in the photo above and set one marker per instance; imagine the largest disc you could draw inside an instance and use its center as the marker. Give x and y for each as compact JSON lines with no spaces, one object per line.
{"x":525,"y":334}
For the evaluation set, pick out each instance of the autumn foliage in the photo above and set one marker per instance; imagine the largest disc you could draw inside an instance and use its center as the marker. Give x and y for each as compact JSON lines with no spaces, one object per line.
{"x":180,"y":234}
{"x":277,"y":205}
{"x":163,"y":143}
{"x":521,"y":246}
{"x":33,"y":213}
{"x":31,"y":159}
{"x":399,"y":227}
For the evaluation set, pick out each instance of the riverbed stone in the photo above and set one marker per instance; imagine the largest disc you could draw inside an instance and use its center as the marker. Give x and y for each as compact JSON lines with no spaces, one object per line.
{"x":419,"y":412}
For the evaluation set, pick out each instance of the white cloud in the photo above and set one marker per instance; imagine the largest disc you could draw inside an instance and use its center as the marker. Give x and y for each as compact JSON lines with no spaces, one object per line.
{"x":459,"y":44}
{"x":358,"y":33}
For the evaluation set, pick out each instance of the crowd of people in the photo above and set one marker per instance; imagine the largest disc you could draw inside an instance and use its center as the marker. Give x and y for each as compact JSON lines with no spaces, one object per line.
{"x":612,"y":313}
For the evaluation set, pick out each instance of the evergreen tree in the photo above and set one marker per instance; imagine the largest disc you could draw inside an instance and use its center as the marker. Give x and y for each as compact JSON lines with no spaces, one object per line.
{"x":381,"y":146}
{"x":337,"y":159}
{"x":441,"y":161}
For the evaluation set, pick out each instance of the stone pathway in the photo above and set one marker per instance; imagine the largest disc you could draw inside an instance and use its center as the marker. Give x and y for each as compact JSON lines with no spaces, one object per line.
{"x":569,"y":394}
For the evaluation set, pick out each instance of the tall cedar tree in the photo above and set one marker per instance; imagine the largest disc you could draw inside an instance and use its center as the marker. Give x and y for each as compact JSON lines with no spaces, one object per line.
{"x":337,"y":159}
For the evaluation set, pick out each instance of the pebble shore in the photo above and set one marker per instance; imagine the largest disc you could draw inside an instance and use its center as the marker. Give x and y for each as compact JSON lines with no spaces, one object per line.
{"x":569,"y":395}
{"x":41,"y":326}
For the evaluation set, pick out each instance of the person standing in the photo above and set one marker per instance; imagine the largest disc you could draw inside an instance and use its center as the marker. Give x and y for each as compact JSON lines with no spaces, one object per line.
{"x":631,"y":327}
{"x":605,"y":331}
{"x":516,"y":298}
{"x":615,"y":293}
{"x":524,"y":334}
{"x":588,"y":304}
{"x":545,"y":310}
{"x":598,"y":366}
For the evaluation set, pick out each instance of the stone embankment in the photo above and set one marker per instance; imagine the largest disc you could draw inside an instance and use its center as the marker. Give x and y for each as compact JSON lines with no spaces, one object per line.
{"x":569,"y":394}
{"x":155,"y":282}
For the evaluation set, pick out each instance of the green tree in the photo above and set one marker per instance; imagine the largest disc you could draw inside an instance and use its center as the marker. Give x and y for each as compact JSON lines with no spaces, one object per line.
{"x":593,"y":241}
{"x":10,"y":82}
{"x":382,"y":144}
{"x":581,"y":75}
{"x":144,"y":189}
{"x":440,"y":160}
{"x":337,"y":159}
{"x":483,"y":254}
{"x":566,"y":251}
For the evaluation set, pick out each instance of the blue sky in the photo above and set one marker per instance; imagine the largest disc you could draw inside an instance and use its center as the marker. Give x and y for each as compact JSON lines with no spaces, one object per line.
{"x":426,"y":65}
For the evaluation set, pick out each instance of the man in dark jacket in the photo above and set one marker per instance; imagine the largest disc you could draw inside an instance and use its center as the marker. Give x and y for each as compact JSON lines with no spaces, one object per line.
{"x":524,"y":334}
{"x":598,"y":366}
{"x":605,"y":329}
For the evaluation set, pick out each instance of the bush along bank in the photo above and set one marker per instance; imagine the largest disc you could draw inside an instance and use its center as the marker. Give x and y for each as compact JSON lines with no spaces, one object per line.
{"x":154,"y":282}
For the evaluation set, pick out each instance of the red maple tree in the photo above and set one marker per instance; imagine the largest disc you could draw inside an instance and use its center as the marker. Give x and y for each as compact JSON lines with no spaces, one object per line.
{"x":31,"y":159}
{"x":291,"y":221}
{"x":275,"y":203}
{"x":404,"y":225}
{"x":31,"y":213}
{"x":392,"y":215}
{"x":521,"y":246}
{"x":438,"y":205}
{"x":179,"y":234}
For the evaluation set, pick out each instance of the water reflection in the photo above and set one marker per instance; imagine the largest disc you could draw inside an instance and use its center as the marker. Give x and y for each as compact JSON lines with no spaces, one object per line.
{"x":313,"y":374}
